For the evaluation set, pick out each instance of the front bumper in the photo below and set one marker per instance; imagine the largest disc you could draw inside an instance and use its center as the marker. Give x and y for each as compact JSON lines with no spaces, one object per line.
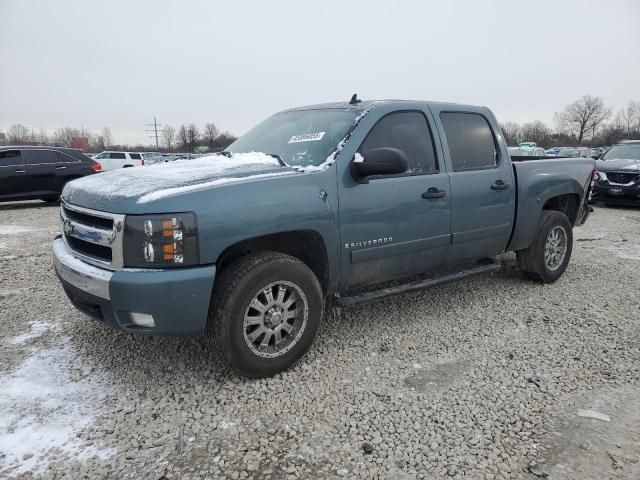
{"x":177,"y":299}
{"x":624,"y":195}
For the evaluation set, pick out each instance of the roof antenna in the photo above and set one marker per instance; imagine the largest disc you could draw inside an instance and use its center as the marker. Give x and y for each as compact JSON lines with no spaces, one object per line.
{"x":354,"y":99}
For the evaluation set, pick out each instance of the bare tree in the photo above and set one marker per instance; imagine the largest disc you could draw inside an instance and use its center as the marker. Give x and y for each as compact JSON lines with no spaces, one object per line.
{"x":183,"y":138}
{"x":582,"y":116}
{"x":630,"y":116}
{"x":107,"y":139}
{"x":18,"y":135}
{"x":168,"y":136}
{"x":41,"y":138}
{"x":536,"y":132}
{"x":511,"y":132}
{"x":224,"y":140}
{"x":193,"y":135}
{"x":63,"y":137}
{"x":210,"y":134}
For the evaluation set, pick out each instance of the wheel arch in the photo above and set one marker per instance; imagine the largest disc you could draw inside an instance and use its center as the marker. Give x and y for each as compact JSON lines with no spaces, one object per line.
{"x":308,"y":246}
{"x":569,"y":204}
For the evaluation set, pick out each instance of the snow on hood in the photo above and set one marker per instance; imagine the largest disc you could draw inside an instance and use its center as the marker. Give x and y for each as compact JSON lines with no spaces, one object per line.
{"x":154,"y":182}
{"x":618,"y":164}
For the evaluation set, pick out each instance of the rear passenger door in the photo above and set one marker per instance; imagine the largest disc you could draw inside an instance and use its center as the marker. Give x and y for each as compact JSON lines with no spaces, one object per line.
{"x":41,"y":169}
{"x":482,"y":189}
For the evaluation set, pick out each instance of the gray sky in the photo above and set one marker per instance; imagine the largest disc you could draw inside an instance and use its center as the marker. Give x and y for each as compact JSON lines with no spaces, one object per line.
{"x":118,"y":63}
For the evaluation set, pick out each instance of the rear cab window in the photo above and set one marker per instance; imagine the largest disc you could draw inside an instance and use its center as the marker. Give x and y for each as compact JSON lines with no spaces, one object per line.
{"x":470,"y":140}
{"x":407,"y":131}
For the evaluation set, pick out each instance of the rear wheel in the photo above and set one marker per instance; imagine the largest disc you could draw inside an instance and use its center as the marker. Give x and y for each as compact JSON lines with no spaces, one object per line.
{"x":265,"y":314}
{"x":546,"y":259}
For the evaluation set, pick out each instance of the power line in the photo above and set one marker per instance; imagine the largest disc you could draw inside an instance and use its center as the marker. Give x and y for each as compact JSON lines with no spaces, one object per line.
{"x":155,"y":126}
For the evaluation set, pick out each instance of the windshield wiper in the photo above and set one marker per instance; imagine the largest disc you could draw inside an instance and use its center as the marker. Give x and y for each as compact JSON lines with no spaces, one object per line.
{"x":277,"y":157}
{"x":274,"y":155}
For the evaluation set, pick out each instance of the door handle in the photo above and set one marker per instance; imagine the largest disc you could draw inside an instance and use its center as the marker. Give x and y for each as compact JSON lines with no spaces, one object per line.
{"x":20,"y":171}
{"x":61,"y":167}
{"x":500,"y":185}
{"x":433,"y":193}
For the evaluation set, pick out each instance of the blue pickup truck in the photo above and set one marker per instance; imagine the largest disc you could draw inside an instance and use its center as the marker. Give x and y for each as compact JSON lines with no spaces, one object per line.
{"x":317,"y":206}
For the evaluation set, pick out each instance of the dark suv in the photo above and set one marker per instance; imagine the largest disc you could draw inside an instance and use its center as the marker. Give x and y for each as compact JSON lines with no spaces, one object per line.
{"x":28,"y":173}
{"x":617,"y":178}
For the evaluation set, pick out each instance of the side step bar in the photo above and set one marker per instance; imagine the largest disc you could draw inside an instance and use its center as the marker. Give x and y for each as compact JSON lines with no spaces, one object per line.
{"x":489,"y":265}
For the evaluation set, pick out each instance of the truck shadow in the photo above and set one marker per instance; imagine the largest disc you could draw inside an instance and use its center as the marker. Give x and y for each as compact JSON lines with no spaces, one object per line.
{"x":33,"y":204}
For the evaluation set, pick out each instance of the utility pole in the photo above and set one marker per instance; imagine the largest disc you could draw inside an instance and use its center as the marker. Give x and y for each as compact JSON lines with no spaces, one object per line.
{"x":155,"y":126}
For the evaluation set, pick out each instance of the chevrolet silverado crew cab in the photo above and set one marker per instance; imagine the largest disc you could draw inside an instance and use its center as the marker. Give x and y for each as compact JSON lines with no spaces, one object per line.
{"x":333,"y":204}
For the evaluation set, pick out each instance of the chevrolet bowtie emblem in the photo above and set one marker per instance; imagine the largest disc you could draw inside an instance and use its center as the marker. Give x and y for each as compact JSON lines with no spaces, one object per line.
{"x":67,"y":226}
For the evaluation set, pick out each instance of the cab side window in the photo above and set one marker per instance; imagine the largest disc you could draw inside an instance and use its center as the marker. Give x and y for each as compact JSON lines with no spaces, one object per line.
{"x":406,"y":131}
{"x":10,"y":158}
{"x":470,"y":140}
{"x":135,"y":156}
{"x":41,"y":157}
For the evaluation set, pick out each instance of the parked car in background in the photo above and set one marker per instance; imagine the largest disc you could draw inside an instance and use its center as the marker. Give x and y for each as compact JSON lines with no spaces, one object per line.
{"x":312,"y":205}
{"x":151,"y":158}
{"x":527,"y":152}
{"x":114,"y":160}
{"x":618,"y":175}
{"x":598,"y":151}
{"x":575,"y":152}
{"x":28,"y":173}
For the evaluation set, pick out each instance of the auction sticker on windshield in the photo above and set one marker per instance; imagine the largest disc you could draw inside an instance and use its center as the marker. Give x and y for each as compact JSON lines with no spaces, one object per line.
{"x":307,"y":137}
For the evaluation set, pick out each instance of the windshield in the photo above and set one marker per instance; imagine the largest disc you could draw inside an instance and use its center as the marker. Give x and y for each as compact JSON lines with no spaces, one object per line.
{"x":299,"y":138}
{"x":629,"y":151}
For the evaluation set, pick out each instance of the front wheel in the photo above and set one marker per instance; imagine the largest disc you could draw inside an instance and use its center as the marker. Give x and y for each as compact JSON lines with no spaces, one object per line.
{"x":265,"y":314}
{"x":546,"y":259}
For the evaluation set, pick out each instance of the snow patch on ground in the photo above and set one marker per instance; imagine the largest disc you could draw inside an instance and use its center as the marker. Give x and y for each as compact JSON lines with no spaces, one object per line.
{"x":37,"y":329}
{"x":44,"y":404}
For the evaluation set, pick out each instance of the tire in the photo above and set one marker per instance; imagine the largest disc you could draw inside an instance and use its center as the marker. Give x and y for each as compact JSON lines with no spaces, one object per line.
{"x":532,"y":261}
{"x":236,"y":324}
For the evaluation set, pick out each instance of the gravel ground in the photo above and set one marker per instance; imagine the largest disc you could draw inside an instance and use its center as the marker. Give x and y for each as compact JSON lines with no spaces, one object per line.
{"x":478,"y":379}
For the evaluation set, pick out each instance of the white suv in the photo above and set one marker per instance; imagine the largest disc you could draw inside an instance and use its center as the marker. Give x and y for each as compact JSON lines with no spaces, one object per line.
{"x":114,"y":160}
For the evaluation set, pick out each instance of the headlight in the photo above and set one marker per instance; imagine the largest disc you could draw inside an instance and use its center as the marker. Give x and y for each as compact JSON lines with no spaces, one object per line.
{"x":167,"y":240}
{"x":599,"y":176}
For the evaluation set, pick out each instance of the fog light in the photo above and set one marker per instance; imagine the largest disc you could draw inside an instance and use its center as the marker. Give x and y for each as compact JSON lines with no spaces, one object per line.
{"x":142,"y":319}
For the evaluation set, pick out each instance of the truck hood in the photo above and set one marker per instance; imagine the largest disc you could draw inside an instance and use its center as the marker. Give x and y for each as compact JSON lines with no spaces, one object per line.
{"x":623,"y":165}
{"x":110,"y":191}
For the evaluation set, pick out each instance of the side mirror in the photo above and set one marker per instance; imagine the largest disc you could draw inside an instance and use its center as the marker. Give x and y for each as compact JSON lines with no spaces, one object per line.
{"x":378,"y":161}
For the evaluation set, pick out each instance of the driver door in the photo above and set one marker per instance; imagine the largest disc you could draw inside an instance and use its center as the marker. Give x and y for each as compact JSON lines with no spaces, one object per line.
{"x":389,"y":227}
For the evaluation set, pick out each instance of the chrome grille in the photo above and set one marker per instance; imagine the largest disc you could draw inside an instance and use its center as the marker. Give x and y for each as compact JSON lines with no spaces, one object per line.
{"x":622,"y":178}
{"x":93,"y":236}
